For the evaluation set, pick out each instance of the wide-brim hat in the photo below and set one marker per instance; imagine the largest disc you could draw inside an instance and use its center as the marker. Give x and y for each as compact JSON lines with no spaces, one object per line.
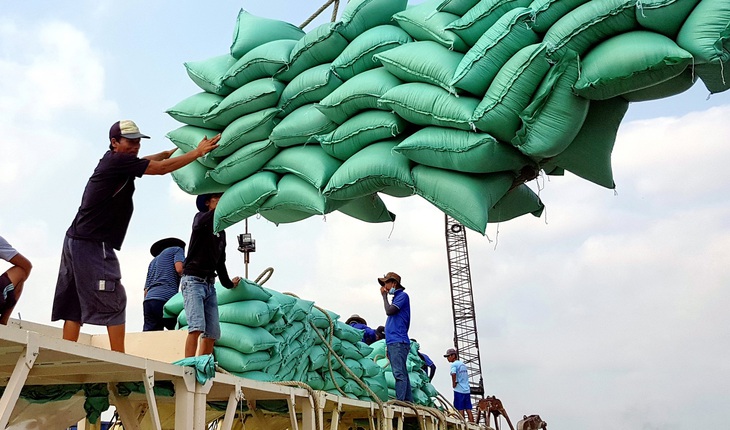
{"x":391,"y":276}
{"x":356,"y":318}
{"x":163,"y":244}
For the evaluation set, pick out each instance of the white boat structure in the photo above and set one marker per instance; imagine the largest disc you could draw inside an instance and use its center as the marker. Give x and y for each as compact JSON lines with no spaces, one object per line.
{"x":35,"y":355}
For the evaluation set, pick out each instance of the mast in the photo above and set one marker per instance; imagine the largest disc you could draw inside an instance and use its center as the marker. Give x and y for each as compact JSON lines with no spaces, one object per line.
{"x":466,"y":340}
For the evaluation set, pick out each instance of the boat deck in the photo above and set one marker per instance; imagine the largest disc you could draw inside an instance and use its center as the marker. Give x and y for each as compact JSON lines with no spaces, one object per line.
{"x":35,"y":355}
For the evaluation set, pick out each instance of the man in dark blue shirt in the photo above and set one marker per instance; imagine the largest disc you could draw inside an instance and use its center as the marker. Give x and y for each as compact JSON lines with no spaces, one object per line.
{"x":429,"y":367}
{"x":89,"y":288}
{"x":397,"y":342}
{"x":368,"y":335}
{"x":163,"y":282}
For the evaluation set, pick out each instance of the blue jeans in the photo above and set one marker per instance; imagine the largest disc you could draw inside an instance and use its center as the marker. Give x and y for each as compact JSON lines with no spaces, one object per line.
{"x":201,"y":305}
{"x":398,"y":355}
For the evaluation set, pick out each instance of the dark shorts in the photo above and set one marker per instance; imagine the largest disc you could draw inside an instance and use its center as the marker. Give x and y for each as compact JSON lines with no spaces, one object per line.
{"x":7,"y":293}
{"x":89,"y":287}
{"x":462,"y":401}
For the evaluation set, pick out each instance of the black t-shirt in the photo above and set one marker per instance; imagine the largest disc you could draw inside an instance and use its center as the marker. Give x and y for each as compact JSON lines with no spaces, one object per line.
{"x":207,"y":250}
{"x":106,"y":206}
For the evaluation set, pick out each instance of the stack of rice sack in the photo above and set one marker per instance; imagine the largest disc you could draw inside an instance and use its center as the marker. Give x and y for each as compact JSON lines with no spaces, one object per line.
{"x":270,"y":336}
{"x":457,"y":101}
{"x":421,"y":388}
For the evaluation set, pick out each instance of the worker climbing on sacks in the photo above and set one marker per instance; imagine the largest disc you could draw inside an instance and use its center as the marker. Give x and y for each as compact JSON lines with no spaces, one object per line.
{"x":398,"y":344}
{"x":163,"y":282}
{"x":369,"y":335}
{"x":206,"y":259}
{"x":428,"y":365}
{"x":12,"y":280}
{"x":89,"y":287}
{"x":380,"y":333}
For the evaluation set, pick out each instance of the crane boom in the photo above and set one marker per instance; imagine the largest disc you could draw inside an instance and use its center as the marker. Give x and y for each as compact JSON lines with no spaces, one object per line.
{"x":466,"y":340}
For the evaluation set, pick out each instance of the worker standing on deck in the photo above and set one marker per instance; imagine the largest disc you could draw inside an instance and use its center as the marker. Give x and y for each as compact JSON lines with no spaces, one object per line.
{"x":460,"y":383}
{"x":206,"y":259}
{"x":397,"y":342}
{"x":89,"y":288}
{"x":163,"y":282}
{"x":12,"y":280}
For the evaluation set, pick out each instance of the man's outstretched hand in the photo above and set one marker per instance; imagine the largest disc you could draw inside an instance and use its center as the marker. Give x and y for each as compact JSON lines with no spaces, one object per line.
{"x":206,"y":145}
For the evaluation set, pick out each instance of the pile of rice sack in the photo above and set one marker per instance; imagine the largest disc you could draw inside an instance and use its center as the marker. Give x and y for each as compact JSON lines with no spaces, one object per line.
{"x":458,"y":101}
{"x":270,"y":336}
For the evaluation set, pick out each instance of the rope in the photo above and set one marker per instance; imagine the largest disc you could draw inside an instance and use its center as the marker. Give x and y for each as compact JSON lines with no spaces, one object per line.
{"x":267,"y":272}
{"x":331,"y":352}
{"x":451,"y":409}
{"x":439,"y":414}
{"x":320,"y":10}
{"x":312,"y":396}
{"x":441,"y":417}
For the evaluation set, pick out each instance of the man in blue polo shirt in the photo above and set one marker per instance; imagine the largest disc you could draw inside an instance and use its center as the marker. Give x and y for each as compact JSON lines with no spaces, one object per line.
{"x":397,"y":342}
{"x":163,"y":282}
{"x":89,"y":288}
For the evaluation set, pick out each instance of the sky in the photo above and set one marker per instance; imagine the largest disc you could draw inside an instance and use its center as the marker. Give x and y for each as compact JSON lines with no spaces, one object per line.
{"x":609,"y":311}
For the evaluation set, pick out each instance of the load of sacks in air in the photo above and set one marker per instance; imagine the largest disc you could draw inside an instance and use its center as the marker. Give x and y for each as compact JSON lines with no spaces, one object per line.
{"x":270,"y":336}
{"x":457,"y":101}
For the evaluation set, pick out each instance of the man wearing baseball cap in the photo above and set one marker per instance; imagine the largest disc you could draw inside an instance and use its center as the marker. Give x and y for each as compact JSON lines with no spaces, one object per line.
{"x":397,"y":342}
{"x":460,"y":383}
{"x":89,"y":288}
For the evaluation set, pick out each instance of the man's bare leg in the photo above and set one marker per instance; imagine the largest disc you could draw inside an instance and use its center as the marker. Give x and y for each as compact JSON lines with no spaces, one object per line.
{"x":116,"y":337}
{"x":71,"y":330}
{"x":206,"y":346}
{"x":191,"y":343}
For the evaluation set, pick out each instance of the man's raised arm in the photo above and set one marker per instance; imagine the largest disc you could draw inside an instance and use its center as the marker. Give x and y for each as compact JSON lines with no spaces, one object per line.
{"x":167,"y":165}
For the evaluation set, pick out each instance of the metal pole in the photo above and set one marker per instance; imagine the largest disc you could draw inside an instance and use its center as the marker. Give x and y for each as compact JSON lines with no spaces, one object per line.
{"x":245,"y":254}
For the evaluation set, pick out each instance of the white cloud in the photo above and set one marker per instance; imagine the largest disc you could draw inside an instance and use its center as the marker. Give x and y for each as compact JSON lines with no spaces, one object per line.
{"x":49,"y":68}
{"x":52,"y":86}
{"x":684,"y":146}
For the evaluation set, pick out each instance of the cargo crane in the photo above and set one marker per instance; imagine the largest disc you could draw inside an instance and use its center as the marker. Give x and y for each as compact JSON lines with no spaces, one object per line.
{"x":466,"y":340}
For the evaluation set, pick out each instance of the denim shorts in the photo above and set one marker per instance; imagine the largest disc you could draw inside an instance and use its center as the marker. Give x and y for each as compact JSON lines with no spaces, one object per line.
{"x":201,"y":305}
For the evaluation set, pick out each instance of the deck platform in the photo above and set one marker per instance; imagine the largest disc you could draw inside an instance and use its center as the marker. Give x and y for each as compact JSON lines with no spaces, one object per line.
{"x":35,"y":354}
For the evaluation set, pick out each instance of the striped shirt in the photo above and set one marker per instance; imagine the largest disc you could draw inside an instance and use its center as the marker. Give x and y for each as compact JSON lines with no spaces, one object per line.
{"x":162,"y":278}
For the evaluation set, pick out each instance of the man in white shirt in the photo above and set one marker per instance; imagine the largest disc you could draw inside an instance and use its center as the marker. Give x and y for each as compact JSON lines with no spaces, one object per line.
{"x":11,"y":282}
